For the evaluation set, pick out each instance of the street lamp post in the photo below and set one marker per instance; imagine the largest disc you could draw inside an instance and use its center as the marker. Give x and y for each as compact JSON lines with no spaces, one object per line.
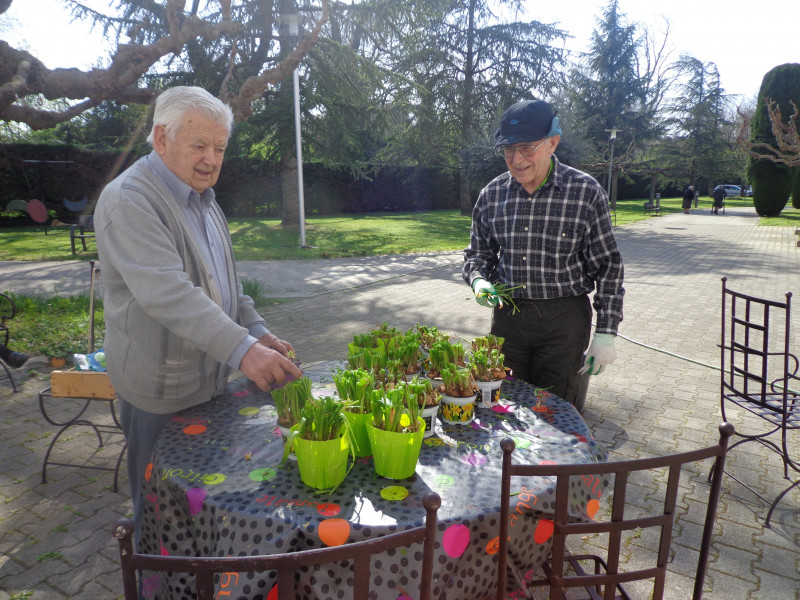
{"x":613,"y":133}
{"x":294,"y":22}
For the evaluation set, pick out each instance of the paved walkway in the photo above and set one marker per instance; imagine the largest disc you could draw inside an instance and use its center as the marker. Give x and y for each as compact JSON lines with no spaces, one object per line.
{"x":55,"y":540}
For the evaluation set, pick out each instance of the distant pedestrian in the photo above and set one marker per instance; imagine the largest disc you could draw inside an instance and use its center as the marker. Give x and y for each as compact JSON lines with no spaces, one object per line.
{"x":719,"y":199}
{"x":688,"y":196}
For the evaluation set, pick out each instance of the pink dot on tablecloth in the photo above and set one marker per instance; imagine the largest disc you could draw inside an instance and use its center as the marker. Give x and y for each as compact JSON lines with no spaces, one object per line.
{"x":240,"y":394}
{"x":501,"y":409}
{"x":476,"y":460}
{"x":543,"y":531}
{"x":195,"y":497}
{"x":194,"y":429}
{"x":455,"y":540}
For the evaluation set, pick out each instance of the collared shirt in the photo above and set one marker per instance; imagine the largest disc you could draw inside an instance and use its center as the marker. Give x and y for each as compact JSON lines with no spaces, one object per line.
{"x":195,"y":208}
{"x":554,"y":243}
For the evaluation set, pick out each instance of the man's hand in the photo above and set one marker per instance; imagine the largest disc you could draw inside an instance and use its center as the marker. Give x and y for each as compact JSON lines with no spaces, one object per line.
{"x":485,"y":294}
{"x":272,"y":341}
{"x":267,"y":367}
{"x":600,"y":354}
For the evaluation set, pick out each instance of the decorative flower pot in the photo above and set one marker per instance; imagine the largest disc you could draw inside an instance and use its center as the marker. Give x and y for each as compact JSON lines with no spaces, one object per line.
{"x":322,"y":465}
{"x":395,"y":454}
{"x":285,"y":433}
{"x":358,"y":425}
{"x":490,"y":392}
{"x":457,"y":410}
{"x":57,"y":361}
{"x":429,"y":416}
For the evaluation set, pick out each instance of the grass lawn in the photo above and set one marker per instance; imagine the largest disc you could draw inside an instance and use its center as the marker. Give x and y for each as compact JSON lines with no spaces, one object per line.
{"x":336,"y":236}
{"x":40,"y":322}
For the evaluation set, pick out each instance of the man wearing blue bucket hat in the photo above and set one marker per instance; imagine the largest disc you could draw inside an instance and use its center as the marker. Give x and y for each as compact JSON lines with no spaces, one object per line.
{"x":541,"y":234}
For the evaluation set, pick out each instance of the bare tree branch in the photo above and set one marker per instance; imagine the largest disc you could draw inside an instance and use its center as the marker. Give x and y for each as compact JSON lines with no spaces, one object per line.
{"x":786,"y":136}
{"x":22,"y":75}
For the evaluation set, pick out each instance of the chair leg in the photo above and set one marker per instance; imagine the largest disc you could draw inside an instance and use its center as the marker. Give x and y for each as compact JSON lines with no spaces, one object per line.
{"x":9,"y":376}
{"x":777,"y":500}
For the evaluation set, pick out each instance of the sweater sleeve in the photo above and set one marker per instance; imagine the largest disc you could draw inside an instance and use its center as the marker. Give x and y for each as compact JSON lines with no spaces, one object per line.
{"x":142,"y":252}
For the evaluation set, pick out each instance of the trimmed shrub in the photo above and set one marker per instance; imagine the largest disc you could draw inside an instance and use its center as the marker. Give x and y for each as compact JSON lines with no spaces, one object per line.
{"x":772,"y":182}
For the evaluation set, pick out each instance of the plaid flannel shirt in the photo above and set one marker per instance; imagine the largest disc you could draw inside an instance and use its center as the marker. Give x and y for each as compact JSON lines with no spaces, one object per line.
{"x":555,"y":243}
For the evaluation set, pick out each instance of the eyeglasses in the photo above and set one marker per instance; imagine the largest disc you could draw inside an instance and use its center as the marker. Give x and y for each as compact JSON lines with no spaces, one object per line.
{"x":527,"y":150}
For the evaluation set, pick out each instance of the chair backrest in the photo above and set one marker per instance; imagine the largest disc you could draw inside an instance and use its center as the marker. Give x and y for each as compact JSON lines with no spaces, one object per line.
{"x":621,"y":522}
{"x":285,"y":565}
{"x":755,"y":358}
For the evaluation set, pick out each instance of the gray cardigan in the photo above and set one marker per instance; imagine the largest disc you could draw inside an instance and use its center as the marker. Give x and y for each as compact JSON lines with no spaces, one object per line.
{"x":167,"y":337}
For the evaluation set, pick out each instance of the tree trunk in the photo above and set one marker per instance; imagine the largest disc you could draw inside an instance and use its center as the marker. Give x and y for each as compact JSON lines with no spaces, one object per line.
{"x":290,"y":209}
{"x":464,"y":196}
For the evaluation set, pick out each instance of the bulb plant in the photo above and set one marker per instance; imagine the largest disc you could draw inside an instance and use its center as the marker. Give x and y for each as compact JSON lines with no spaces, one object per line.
{"x":429,"y":335}
{"x":321,"y":420}
{"x":395,"y":410}
{"x":422,"y":390}
{"x":354,"y":388}
{"x":291,"y":399}
{"x":458,"y":381}
{"x":488,"y":341}
{"x":487,"y":364}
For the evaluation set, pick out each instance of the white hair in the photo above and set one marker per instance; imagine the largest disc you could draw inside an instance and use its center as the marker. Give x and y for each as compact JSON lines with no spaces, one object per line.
{"x":174,"y":103}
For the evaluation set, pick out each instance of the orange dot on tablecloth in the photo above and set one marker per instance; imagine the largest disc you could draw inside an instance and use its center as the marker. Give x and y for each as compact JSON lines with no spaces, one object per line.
{"x":493,"y":547}
{"x":194,"y":429}
{"x":334,"y":532}
{"x":591,"y":508}
{"x":543,"y":531}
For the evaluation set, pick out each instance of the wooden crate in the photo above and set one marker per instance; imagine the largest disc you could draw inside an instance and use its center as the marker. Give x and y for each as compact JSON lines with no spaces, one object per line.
{"x":81,"y":384}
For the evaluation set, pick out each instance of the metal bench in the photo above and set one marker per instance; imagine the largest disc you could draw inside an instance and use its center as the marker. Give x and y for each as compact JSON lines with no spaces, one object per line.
{"x":82,"y":231}
{"x":651,"y":208}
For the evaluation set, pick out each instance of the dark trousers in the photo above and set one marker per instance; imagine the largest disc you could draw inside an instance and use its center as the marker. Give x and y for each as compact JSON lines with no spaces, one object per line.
{"x":545,"y":341}
{"x":141,"y":430}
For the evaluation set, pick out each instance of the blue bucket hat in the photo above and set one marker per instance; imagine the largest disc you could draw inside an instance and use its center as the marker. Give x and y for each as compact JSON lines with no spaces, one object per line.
{"x":527,"y":121}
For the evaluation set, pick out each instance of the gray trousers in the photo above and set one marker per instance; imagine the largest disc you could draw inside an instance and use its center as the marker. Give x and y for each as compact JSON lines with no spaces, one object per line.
{"x":141,"y":430}
{"x":545,"y":341}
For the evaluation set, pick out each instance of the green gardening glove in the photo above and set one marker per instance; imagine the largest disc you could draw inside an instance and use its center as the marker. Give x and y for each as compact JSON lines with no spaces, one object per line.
{"x":485,"y":294}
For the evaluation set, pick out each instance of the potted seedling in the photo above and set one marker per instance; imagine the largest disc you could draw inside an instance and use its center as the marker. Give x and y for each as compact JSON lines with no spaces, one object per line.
{"x":458,"y":395}
{"x":428,"y":336}
{"x":354,"y":388}
{"x":488,"y":370}
{"x":490,"y":342}
{"x":289,"y":402}
{"x":58,"y":352}
{"x":408,"y":352}
{"x":428,"y":400}
{"x":322,"y":443}
{"x":395,"y":434}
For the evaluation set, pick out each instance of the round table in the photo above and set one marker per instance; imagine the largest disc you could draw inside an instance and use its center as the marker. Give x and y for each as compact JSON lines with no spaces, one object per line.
{"x":217,"y":487}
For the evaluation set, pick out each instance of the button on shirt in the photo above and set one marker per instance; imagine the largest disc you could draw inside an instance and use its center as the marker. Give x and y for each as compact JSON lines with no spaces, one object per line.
{"x":554,"y":243}
{"x":195,"y":208}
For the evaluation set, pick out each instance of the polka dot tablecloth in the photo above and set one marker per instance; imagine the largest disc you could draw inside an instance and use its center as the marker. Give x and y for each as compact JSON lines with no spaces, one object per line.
{"x":216,"y":487}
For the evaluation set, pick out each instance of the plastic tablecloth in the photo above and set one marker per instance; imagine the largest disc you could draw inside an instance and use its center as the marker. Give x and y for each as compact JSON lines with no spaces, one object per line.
{"x":217,"y":487}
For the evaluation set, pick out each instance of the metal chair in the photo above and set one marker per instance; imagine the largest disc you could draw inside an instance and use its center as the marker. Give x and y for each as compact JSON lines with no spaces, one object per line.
{"x":757,"y":373}
{"x":605,"y":580}
{"x":7,"y":311}
{"x":285,"y":565}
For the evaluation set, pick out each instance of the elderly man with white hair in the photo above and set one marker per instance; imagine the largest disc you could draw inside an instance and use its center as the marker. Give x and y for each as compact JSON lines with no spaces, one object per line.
{"x":177,"y":320}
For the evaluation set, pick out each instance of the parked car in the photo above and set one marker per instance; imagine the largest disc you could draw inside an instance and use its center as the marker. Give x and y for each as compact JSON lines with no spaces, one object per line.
{"x":731,"y":190}
{"x":748,"y":191}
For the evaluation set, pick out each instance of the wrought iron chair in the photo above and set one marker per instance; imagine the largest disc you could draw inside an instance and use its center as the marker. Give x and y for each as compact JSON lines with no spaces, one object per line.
{"x":359,"y":553}
{"x":7,"y":311}
{"x":757,"y":375}
{"x":605,"y":580}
